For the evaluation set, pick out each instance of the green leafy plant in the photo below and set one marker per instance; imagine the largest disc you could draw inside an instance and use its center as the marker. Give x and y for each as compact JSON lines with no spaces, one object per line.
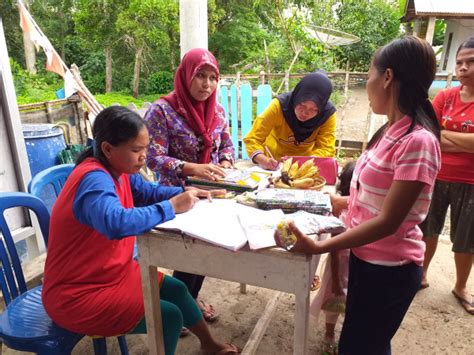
{"x":161,"y":81}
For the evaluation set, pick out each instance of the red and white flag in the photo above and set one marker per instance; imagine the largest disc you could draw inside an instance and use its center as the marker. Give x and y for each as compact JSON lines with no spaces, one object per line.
{"x":54,"y":62}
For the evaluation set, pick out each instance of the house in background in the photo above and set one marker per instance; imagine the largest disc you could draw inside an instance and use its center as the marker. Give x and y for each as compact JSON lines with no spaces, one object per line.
{"x":459,"y":17}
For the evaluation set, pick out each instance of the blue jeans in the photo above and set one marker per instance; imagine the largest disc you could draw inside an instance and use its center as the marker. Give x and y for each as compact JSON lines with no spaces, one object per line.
{"x":378,"y":298}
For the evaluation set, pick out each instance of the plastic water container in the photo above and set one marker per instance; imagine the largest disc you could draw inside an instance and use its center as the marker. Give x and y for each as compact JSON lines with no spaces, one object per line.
{"x":43,"y":144}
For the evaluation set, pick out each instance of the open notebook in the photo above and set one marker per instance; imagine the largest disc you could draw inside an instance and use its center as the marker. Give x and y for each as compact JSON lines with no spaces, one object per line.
{"x":215,"y":222}
{"x":231,"y":225}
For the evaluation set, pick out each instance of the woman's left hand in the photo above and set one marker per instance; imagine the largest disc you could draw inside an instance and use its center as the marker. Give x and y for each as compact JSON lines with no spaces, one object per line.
{"x":226,"y":164}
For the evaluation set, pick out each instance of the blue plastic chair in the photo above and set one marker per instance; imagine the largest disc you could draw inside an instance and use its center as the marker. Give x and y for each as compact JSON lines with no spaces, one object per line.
{"x":25,"y":325}
{"x":47,"y":185}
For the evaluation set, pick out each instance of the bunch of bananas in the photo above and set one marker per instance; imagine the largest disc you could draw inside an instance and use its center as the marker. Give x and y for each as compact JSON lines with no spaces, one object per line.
{"x":298,"y":177}
{"x":287,"y":238}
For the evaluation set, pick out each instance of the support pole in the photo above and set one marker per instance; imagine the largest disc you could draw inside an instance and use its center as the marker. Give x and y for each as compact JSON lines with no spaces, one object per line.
{"x":192,"y":25}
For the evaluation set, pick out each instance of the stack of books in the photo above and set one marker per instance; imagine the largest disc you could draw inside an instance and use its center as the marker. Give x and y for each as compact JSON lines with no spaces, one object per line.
{"x":290,"y":200}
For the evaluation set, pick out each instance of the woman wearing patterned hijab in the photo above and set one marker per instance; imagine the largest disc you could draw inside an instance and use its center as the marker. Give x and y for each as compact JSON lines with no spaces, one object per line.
{"x":300,"y":122}
{"x":188,"y":130}
{"x":189,"y":136}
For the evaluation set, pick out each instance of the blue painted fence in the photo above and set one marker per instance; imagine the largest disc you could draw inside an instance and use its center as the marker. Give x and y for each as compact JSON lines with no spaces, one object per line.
{"x":240,"y":113}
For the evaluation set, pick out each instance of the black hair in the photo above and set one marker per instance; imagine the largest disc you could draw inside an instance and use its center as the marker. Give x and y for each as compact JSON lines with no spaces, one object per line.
{"x":115,"y":125}
{"x":468,"y":43}
{"x":413,"y":63}
{"x":345,"y":178}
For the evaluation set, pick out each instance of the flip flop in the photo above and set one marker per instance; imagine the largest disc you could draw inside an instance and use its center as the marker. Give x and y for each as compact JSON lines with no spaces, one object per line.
{"x":184,"y":332}
{"x":329,"y":347}
{"x":229,"y":349}
{"x":468,"y":307}
{"x":208,"y":312}
{"x":424,"y":285}
{"x":316,"y":283}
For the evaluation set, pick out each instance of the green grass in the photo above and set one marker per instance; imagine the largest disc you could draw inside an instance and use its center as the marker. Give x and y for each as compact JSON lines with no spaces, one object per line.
{"x":124,"y":99}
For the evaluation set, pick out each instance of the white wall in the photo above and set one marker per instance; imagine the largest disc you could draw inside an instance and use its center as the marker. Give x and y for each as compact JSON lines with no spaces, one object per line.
{"x":459,"y":30}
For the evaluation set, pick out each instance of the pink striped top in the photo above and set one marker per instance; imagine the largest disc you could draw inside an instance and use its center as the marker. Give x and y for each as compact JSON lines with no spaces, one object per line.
{"x":411,"y":157}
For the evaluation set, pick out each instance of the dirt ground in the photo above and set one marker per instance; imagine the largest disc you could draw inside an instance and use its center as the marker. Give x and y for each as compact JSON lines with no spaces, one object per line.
{"x":435,"y":323}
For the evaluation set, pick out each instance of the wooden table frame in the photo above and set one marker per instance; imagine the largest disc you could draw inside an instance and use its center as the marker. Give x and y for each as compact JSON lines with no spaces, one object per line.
{"x":269,"y":268}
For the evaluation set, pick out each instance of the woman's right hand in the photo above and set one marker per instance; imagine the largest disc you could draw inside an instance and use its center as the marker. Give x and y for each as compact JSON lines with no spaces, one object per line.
{"x":185,"y":201}
{"x":205,"y":171}
{"x":266,"y":162}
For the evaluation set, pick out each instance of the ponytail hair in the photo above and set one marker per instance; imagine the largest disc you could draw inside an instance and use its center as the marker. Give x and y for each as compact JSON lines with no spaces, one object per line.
{"x":413,"y":63}
{"x":468,"y":43}
{"x":115,"y":125}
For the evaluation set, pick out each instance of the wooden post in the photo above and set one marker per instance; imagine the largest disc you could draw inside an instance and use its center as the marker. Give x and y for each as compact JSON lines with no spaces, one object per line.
{"x":262,"y":77}
{"x":48,"y":112}
{"x":287,"y":81}
{"x":343,"y":111}
{"x":449,"y":80}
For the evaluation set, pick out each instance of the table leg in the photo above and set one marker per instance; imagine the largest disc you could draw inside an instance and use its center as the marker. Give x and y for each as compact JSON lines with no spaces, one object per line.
{"x":151,"y":299}
{"x":300,"y":337}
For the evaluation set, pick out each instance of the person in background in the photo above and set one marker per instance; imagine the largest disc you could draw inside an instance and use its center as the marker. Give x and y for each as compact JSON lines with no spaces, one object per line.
{"x":189,"y":136}
{"x":298,"y":123}
{"x":454,"y":187}
{"x":92,"y":285}
{"x":331,"y":297}
{"x":389,"y":196}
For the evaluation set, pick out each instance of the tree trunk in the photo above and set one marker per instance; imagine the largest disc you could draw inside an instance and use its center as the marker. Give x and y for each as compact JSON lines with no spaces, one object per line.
{"x":108,"y":68}
{"x":29,"y":48}
{"x":136,"y":71}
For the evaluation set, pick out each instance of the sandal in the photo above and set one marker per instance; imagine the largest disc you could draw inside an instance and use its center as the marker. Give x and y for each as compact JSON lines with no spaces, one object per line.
{"x":229,"y":349}
{"x":316,"y":284}
{"x":329,"y":347}
{"x":184,"y":332}
{"x":208,"y":312}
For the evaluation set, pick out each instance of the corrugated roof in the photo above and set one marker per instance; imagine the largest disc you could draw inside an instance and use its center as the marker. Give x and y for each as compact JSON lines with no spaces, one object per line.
{"x":444,"y":7}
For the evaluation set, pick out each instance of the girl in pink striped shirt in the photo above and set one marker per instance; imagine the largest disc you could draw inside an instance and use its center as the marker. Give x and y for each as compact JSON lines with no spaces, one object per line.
{"x":389,"y":196}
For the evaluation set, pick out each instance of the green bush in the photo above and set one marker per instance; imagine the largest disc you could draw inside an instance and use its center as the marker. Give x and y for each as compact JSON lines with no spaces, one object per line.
{"x":161,"y":81}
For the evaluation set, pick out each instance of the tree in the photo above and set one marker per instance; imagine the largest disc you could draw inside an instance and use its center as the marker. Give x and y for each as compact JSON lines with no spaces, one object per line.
{"x":375,"y":22}
{"x":144,"y":24}
{"x":95,"y":21}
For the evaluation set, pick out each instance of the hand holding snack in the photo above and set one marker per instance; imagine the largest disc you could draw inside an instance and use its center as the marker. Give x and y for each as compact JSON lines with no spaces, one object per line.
{"x":289,"y":237}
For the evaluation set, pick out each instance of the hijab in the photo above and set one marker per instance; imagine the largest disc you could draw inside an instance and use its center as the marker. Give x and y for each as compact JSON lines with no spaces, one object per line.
{"x":315,"y":87}
{"x":200,"y":115}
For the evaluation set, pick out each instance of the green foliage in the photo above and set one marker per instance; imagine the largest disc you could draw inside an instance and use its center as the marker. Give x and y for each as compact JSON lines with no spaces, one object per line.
{"x":161,"y":81}
{"x":440,"y":29}
{"x":32,"y":88}
{"x":376,"y":23}
{"x":93,"y":73}
{"x":124,"y":99}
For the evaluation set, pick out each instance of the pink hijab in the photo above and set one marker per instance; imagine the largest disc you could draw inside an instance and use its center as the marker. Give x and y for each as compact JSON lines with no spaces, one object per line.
{"x":200,"y":115}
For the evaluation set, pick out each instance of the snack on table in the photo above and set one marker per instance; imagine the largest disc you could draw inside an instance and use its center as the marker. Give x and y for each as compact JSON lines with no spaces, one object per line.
{"x":287,"y":238}
{"x":295,"y":176}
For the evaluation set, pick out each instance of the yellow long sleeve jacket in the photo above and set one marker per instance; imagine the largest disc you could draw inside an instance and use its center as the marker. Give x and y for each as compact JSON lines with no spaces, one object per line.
{"x":270,"y":129}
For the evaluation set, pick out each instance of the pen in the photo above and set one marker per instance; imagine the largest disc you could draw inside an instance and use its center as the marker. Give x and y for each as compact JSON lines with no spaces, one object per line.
{"x":269,"y":153}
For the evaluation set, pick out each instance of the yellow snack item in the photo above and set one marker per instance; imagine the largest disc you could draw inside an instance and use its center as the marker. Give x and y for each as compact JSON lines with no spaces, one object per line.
{"x":287,"y":238}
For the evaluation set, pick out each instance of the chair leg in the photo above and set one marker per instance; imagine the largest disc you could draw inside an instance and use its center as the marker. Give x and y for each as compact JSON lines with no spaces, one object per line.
{"x":123,"y":345}
{"x":100,"y":346}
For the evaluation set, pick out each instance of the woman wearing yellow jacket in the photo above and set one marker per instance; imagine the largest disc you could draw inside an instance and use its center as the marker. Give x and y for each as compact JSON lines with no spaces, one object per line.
{"x":300,"y":122}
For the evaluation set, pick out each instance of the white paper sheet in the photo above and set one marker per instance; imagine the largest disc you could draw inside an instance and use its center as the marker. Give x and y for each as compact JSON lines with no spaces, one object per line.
{"x":215,"y":222}
{"x":259,"y":226}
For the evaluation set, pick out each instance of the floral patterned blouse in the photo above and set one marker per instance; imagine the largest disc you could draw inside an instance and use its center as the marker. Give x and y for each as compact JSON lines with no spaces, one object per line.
{"x":173,"y":142}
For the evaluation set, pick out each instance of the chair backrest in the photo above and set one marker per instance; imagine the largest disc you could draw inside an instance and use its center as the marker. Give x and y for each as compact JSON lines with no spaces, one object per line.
{"x":47,"y":184}
{"x":12,"y":281}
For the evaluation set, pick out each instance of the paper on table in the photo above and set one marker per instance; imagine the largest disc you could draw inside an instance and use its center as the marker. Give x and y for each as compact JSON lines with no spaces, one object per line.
{"x":215,"y":222}
{"x":259,"y":226}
